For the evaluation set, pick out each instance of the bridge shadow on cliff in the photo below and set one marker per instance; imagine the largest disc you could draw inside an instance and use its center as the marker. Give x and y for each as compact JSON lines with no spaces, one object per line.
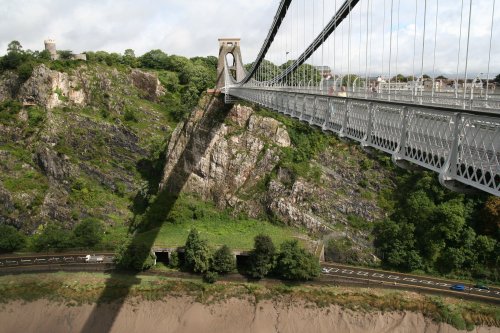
{"x":117,"y":287}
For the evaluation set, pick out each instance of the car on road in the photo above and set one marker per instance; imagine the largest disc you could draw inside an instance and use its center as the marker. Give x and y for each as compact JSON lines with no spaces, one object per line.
{"x":481,"y":286}
{"x":458,"y":287}
{"x":94,"y":258}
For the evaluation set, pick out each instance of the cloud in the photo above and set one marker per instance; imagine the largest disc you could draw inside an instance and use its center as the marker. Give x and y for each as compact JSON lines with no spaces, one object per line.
{"x":191,"y":28}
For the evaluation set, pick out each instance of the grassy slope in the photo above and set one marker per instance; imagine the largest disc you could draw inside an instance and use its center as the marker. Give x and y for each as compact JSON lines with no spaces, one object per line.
{"x":217,"y":227}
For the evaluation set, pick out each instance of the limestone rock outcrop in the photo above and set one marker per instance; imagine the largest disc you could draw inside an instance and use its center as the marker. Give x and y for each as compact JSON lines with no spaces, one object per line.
{"x":230,"y":161}
{"x":148,"y":83}
{"x":51,"y":88}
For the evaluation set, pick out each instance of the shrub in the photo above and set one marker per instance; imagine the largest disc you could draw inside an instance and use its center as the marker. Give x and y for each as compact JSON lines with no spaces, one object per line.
{"x":25,"y":70}
{"x":130,"y":116}
{"x":295,"y":263}
{"x":8,"y":111}
{"x":88,"y":233}
{"x":36,"y":115}
{"x":197,"y":253}
{"x":223,"y":261}
{"x":53,"y":237}
{"x":261,"y":259}
{"x":11,"y":239}
{"x":210,"y":277}
{"x":174,"y":260}
{"x":135,"y":256}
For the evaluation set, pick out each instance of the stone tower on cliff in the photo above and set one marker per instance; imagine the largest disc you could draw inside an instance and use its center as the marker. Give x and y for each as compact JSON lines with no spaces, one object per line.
{"x":50,"y":45}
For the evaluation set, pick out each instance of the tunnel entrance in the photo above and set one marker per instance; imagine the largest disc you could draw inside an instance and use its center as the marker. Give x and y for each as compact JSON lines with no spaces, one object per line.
{"x":162,"y":257}
{"x":242,"y":261}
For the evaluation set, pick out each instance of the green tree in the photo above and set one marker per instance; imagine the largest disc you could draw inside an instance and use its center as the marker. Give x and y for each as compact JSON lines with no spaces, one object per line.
{"x":223,"y":260}
{"x":88,"y":233}
{"x":262,"y":257}
{"x":451,"y":259}
{"x":135,"y":256}
{"x":15,"y":47}
{"x":489,"y":219}
{"x":497,"y":79}
{"x":197,"y":253}
{"x":44,"y":55}
{"x":129,"y":58}
{"x":173,"y":261}
{"x":295,"y":263}
{"x":190,"y":95}
{"x":65,"y":54}
{"x":448,"y":220}
{"x":170,"y":80}
{"x":12,"y":60}
{"x":486,"y":248}
{"x":52,"y":237}
{"x":155,"y":59}
{"x":129,"y":53}
{"x":11,"y":239}
{"x":25,"y":70}
{"x":399,"y":78}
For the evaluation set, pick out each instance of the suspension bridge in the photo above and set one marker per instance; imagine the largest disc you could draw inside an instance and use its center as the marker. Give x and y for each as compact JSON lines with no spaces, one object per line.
{"x":337,"y":65}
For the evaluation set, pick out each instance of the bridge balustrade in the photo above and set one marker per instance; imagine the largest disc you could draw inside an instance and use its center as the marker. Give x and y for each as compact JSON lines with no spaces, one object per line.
{"x":461,"y":147}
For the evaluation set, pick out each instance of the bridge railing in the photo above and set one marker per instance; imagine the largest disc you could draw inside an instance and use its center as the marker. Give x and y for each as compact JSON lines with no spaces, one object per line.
{"x":462,"y":147}
{"x":467,"y":101}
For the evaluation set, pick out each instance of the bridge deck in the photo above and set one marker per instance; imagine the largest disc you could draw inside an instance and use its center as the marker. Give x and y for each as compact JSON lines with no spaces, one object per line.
{"x":460,"y":145}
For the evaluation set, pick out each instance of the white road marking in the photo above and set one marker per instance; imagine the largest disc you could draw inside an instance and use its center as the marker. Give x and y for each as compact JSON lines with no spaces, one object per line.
{"x":410,"y":279}
{"x":346,"y":271}
{"x":426,"y":282}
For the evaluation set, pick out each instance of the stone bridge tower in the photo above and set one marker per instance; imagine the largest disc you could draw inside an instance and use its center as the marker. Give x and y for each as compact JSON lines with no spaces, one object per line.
{"x":229,"y":46}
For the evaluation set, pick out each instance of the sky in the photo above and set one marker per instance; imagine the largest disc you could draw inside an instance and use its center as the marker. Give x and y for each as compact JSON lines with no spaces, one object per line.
{"x":192,"y":27}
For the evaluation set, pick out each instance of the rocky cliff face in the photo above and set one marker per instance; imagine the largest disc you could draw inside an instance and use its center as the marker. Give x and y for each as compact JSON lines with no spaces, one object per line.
{"x":50,"y":88}
{"x":239,"y":168}
{"x":68,"y":149}
{"x":82,"y":142}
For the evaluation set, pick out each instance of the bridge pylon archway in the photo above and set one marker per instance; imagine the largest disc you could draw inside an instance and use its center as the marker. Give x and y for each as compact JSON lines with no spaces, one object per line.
{"x":229,"y":46}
